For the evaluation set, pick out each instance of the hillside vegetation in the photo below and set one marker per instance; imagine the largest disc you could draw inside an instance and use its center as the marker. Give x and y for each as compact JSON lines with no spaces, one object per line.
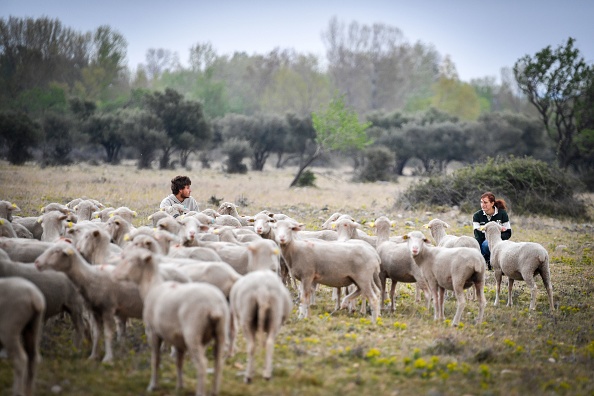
{"x":514,"y":352}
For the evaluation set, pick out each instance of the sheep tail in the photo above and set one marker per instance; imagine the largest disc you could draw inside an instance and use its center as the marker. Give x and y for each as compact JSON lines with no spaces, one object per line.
{"x":263,"y":300}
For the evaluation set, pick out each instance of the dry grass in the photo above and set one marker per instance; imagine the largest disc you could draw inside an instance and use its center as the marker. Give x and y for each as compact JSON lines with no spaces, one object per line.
{"x":514,"y":352}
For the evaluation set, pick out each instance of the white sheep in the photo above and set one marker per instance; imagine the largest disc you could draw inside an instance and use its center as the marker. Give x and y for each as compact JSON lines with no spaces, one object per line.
{"x":438,"y":227}
{"x":396,"y":262}
{"x":7,"y":208}
{"x":449,"y":268}
{"x":103,"y":214}
{"x":217,"y":273}
{"x":85,"y":208}
{"x":125,"y":212}
{"x":23,"y":250}
{"x":334,"y":264}
{"x":118,"y":228}
{"x":104,"y":297}
{"x":228,"y":208}
{"x":95,"y":246}
{"x":518,"y":261}
{"x":6,"y":229}
{"x":260,"y":304}
{"x":60,"y":293}
{"x":187,"y":316}
{"x":22,"y":308}
{"x":158,"y":215}
{"x":53,"y":224}
{"x":31,"y":224}
{"x":55,"y":206}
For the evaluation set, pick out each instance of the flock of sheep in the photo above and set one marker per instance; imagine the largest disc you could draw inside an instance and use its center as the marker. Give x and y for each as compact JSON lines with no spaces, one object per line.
{"x":200,"y":277}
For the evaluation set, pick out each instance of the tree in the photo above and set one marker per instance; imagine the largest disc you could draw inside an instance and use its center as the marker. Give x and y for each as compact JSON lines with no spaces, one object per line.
{"x":59,"y":139}
{"x":19,"y":134}
{"x":337,"y":129}
{"x":453,"y":96}
{"x":554,"y":82}
{"x":177,"y":116}
{"x":105,"y":129}
{"x":145,"y":133}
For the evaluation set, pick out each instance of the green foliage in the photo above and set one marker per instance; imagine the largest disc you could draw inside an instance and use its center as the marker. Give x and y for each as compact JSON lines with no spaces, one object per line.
{"x":554,"y":81}
{"x":236,"y":150}
{"x":338,"y":127}
{"x":19,"y":134}
{"x":306,"y":179}
{"x":529,"y":187}
{"x":59,"y":139}
{"x":378,"y":165}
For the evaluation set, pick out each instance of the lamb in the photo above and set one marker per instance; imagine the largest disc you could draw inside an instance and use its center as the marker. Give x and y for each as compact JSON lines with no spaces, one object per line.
{"x":169,"y":224}
{"x":23,"y":250}
{"x":53,"y":224}
{"x":187,"y":316}
{"x":60,"y":294}
{"x":518,"y":261}
{"x":85,"y":208}
{"x":228,"y":208}
{"x":334,"y":264}
{"x":55,"y":206}
{"x":6,"y":229}
{"x":437,"y":228}
{"x":104,"y":214}
{"x":228,"y":234}
{"x":95,"y":246}
{"x":260,"y":304}
{"x":227,"y":220}
{"x":104,"y":297}
{"x":160,"y":214}
{"x":125,"y":212}
{"x":31,"y":224}
{"x":22,"y":308}
{"x":217,"y":273}
{"x":21,"y":231}
{"x":396,"y":262}
{"x":7,"y":208}
{"x":449,"y":268}
{"x":262,"y":223}
{"x":118,"y":228}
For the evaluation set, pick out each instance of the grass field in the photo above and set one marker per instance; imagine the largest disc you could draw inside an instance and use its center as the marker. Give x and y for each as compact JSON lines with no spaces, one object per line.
{"x":514,"y":352}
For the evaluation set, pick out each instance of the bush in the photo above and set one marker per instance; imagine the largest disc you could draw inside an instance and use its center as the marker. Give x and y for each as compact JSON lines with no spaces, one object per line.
{"x":378,"y":166}
{"x":306,"y":179}
{"x":527,"y":185}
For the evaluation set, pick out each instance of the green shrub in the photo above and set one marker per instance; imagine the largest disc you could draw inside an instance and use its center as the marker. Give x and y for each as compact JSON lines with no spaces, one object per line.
{"x":378,"y":166}
{"x":527,"y":185}
{"x":306,"y":179}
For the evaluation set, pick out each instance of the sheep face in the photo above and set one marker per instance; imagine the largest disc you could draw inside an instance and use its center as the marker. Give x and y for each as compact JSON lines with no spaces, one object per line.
{"x":415,"y":240}
{"x":57,"y":257}
{"x":284,"y":231}
{"x":132,"y":265}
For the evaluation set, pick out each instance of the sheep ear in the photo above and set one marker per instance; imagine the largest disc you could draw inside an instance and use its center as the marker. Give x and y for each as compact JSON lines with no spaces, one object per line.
{"x":127,"y":237}
{"x":446,"y":225}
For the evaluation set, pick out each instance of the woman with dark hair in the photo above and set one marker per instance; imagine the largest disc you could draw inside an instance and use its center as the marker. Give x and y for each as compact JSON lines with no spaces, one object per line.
{"x":491,"y":210}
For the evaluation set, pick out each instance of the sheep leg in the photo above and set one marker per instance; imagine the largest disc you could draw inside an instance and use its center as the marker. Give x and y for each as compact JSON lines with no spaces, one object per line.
{"x":155,"y":344}
{"x":306,"y":285}
{"x":250,"y":340}
{"x":479,"y":293}
{"x":120,"y":328}
{"x":392,"y":291}
{"x":336,"y":294}
{"x":270,"y":351}
{"x":460,"y":304}
{"x":510,"y":285}
{"x":546,"y":280}
{"x":233,"y":322}
{"x":498,"y":276}
{"x":383,"y":279}
{"x":96,"y":322}
{"x":533,"y":290}
{"x":15,"y":351}
{"x":218,"y":349}
{"x":108,"y":325}
{"x":441,"y":296}
{"x":179,"y":365}
{"x":199,"y":358}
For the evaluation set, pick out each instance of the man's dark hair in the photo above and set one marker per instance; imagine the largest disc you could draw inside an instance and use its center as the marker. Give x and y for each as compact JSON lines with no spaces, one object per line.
{"x":179,"y":183}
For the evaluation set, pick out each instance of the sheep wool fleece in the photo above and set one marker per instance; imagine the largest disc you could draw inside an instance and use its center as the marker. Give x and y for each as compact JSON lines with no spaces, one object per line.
{"x":480,"y":219}
{"x":189,"y":203}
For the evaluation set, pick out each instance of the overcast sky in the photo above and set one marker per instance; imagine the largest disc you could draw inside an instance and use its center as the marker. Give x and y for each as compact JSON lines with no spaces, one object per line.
{"x":481,"y":37}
